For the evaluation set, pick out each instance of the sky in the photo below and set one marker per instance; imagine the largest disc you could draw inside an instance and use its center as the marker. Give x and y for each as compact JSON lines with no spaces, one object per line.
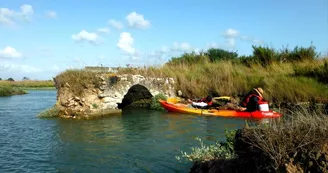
{"x":39,"y":39}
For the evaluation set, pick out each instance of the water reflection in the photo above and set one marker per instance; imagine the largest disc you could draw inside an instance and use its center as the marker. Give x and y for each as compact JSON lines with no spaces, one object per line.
{"x":138,"y":140}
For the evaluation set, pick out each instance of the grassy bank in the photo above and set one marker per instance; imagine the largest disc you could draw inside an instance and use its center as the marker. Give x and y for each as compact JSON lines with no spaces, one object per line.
{"x":9,"y":91}
{"x":297,"y":75}
{"x":28,"y":84}
{"x":298,"y":141}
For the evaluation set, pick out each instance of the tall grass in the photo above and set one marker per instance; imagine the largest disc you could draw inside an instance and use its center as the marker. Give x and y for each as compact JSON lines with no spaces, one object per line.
{"x":277,"y":71}
{"x":9,"y":91}
{"x":77,"y":80}
{"x":28,"y":83}
{"x":298,"y":138}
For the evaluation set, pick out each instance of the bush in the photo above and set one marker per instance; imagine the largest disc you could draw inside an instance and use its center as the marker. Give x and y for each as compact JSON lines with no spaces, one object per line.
{"x":155,"y":105}
{"x":264,"y":55}
{"x":319,"y":73}
{"x":9,"y":91}
{"x":220,"y":54}
{"x":219,"y":150}
{"x":188,"y":59}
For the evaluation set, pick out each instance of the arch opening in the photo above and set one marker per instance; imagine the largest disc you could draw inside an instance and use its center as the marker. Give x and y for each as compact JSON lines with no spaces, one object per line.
{"x":137,"y":96}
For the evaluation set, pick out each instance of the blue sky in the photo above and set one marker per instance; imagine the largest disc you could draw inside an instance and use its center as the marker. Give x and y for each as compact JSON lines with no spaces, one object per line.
{"x":41,"y":38}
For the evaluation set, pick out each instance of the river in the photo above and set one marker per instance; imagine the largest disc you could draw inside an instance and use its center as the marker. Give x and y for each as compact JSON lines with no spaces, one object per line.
{"x":139,"y":140}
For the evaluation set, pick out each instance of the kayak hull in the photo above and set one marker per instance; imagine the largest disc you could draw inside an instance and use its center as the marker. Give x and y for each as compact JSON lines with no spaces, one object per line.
{"x":186,"y":108}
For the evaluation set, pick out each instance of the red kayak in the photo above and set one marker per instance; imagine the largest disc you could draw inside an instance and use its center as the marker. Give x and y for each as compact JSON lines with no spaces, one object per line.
{"x":187,"y":108}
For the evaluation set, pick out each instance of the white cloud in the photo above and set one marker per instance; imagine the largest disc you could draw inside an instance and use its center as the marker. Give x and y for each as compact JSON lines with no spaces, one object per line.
{"x":51,"y":14}
{"x":103,"y":30}
{"x":10,"y":52}
{"x":18,"y":68}
{"x":181,"y":47}
{"x":27,"y":9}
{"x":116,"y":24}
{"x":10,"y":17}
{"x":137,"y":20}
{"x":231,"y":33}
{"x":86,"y":36}
{"x":126,"y":43}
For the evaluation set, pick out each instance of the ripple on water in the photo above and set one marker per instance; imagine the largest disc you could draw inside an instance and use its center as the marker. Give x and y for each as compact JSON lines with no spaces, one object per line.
{"x":136,"y":141}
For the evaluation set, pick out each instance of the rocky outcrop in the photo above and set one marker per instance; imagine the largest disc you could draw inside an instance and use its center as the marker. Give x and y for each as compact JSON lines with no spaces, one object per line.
{"x":110,"y":92}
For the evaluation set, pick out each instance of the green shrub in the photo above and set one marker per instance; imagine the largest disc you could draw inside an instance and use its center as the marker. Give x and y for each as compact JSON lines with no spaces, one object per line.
{"x":188,"y":59}
{"x":155,"y":105}
{"x":319,"y":73}
{"x":219,"y":150}
{"x":264,"y":55}
{"x":9,"y":91}
{"x":220,"y":54}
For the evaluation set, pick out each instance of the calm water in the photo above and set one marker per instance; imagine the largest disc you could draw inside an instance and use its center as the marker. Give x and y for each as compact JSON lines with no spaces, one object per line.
{"x":136,"y":141}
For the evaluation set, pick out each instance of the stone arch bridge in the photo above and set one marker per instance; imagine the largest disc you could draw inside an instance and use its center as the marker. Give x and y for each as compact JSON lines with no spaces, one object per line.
{"x":118,"y":91}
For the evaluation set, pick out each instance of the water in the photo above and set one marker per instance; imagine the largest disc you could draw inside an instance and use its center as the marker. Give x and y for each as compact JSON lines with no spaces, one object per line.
{"x":137,"y":141}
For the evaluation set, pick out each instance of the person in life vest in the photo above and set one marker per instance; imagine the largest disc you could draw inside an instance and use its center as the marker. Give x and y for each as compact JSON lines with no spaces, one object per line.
{"x":252,"y":99}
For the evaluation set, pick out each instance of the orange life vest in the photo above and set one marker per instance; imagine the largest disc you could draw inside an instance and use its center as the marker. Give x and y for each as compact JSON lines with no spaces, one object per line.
{"x":244,"y":104}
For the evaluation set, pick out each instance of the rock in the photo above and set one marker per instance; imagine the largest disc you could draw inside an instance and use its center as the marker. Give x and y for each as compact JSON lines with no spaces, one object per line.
{"x":83,"y":100}
{"x":77,"y":98}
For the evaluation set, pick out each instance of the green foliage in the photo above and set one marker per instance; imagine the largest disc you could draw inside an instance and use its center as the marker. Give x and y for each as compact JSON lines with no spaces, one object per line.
{"x":28,"y":83}
{"x":9,"y":91}
{"x":188,"y":59}
{"x":220,"y":54}
{"x":155,"y":105}
{"x":298,"y":54}
{"x":319,"y":73}
{"x":214,"y":151}
{"x":26,"y":78}
{"x":264,"y":55}
{"x":10,"y":79}
{"x":48,"y":113}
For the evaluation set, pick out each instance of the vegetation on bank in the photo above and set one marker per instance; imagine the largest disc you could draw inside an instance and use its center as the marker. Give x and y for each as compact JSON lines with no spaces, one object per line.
{"x":77,"y":80}
{"x":28,"y":83}
{"x":295,"y":75}
{"x":9,"y":91}
{"x":48,"y":113}
{"x":298,"y":141}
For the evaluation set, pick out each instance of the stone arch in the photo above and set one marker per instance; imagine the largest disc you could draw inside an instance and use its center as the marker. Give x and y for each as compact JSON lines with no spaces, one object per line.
{"x":136,"y":93}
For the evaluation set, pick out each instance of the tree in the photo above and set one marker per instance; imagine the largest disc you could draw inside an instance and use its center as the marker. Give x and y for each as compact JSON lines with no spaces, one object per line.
{"x":0,"y":78}
{"x":26,"y":78}
{"x":10,"y":79}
